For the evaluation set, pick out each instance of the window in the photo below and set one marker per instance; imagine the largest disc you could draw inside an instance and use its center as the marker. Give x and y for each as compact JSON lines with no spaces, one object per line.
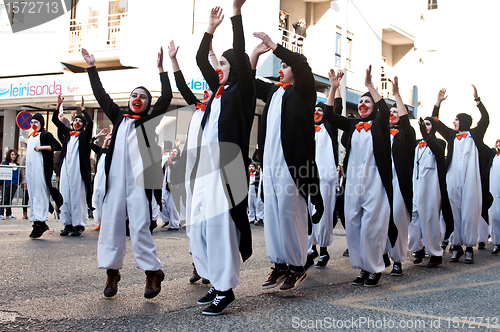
{"x":349,"y":54}
{"x":338,"y":42}
{"x":432,"y":4}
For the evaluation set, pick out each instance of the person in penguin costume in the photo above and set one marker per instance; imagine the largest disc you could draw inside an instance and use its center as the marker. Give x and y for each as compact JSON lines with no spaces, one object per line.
{"x":75,"y":182}
{"x":368,"y":185}
{"x":430,"y":197}
{"x":326,"y":158}
{"x":494,"y":212}
{"x":39,"y":163}
{"x":403,"y":142}
{"x":467,"y":166}
{"x":133,"y":178}
{"x":290,"y":175}
{"x":218,"y":223}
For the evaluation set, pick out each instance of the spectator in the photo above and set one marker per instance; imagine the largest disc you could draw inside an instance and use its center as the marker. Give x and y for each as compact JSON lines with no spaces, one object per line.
{"x":10,"y":186}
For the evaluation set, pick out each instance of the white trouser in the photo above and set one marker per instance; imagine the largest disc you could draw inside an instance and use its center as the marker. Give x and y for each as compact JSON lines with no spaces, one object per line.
{"x":169,"y":212}
{"x":322,"y":232}
{"x":402,"y":221}
{"x":255,"y":205}
{"x":483,"y":231}
{"x":99,"y":189}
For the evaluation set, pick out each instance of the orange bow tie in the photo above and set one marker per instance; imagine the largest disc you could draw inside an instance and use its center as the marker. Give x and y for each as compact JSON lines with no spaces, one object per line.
{"x":460,"y":136}
{"x":126,"y":115}
{"x":284,"y":85}
{"x":35,"y":134}
{"x":363,"y":125}
{"x":422,"y":144}
{"x":219,"y":91}
{"x":498,"y":153}
{"x":252,"y":174}
{"x":74,"y":133}
{"x":436,"y":120}
{"x":201,"y":106}
{"x":394,"y":132}
{"x":317,"y":128}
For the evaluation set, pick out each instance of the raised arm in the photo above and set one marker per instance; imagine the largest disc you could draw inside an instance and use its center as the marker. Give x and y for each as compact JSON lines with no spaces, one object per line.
{"x":207,"y":70}
{"x":107,"y":105}
{"x":441,"y":128}
{"x":384,"y":112}
{"x":404,"y":119}
{"x":61,"y":128}
{"x":213,"y":58}
{"x":162,"y":104}
{"x":484,"y":122}
{"x":262,"y":88}
{"x":329,"y":115}
{"x":185,"y":91}
{"x":245,"y":75}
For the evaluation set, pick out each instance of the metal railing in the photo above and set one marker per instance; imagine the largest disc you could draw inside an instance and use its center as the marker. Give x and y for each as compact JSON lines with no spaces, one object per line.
{"x":89,"y":31}
{"x":12,"y":189}
{"x":292,"y":41}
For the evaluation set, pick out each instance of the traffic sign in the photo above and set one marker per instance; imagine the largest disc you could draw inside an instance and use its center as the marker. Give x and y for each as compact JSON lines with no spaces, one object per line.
{"x":23,"y":120}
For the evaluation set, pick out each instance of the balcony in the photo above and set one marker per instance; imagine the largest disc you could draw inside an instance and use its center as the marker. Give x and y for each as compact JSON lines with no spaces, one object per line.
{"x":93,"y":31}
{"x":292,"y":41}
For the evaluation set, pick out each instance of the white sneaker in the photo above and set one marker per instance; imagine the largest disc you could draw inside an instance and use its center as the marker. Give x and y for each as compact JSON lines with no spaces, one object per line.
{"x":11,"y":217}
{"x":2,"y":217}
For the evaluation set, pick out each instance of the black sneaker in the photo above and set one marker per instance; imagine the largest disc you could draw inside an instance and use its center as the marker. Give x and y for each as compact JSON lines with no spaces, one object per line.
{"x":293,"y":281}
{"x":387,"y":261}
{"x":456,"y":254}
{"x":322,"y":261}
{"x":275,"y":278}
{"x":397,"y":270}
{"x":346,"y":253}
{"x":435,"y":261}
{"x":444,"y":244}
{"x":220,"y":303}
{"x":373,"y":279}
{"x":152,"y":226}
{"x":111,"y":287}
{"x":481,"y":246}
{"x":360,"y":280}
{"x":77,"y":231}
{"x":259,"y":222}
{"x":419,"y":256}
{"x":205,"y":281}
{"x":469,"y":257}
{"x":39,"y":227}
{"x":209,"y":297}
{"x":68,"y":229}
{"x":496,"y":250}
{"x":310,"y":259}
{"x":195,"y":277}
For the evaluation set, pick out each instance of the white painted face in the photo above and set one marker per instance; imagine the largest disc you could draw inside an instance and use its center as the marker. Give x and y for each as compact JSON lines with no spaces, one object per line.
{"x":286,"y":75}
{"x":497,"y":144}
{"x":35,"y":125}
{"x":394,"y":117}
{"x":318,"y":114}
{"x":456,"y":124}
{"x":428,"y":126}
{"x":77,"y":124}
{"x":365,"y":106}
{"x":138,"y":101}
{"x":223,"y":70}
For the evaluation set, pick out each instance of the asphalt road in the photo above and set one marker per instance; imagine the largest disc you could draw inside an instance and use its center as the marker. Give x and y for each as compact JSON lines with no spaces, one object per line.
{"x":53,"y":284}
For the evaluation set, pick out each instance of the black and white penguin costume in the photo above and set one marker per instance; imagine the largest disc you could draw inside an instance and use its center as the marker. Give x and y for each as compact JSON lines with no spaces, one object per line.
{"x":325,"y":139}
{"x":99,"y":182}
{"x":218,"y":223}
{"x":494,"y":212}
{"x":430,"y":195}
{"x":39,"y":166}
{"x":133,"y":175}
{"x":75,"y":180}
{"x":169,"y":213}
{"x":402,"y":149}
{"x":255,"y":204}
{"x":467,"y":177}
{"x":368,"y":186}
{"x":290,"y":175}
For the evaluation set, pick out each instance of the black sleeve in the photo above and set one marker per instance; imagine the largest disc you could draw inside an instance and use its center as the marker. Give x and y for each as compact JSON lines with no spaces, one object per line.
{"x":62,"y":130}
{"x":302,"y":73}
{"x":245,"y":75}
{"x":89,"y":126}
{"x":96,"y":148}
{"x":107,"y":105}
{"x":436,"y":145}
{"x":384,"y":114}
{"x":183,"y":88}
{"x":336,"y":120}
{"x":262,"y":89}
{"x":441,"y":128}
{"x":410,"y":136}
{"x":484,"y":122}
{"x":337,"y":106}
{"x":162,"y":104}
{"x":54,"y":144}
{"x":206,"y":68}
